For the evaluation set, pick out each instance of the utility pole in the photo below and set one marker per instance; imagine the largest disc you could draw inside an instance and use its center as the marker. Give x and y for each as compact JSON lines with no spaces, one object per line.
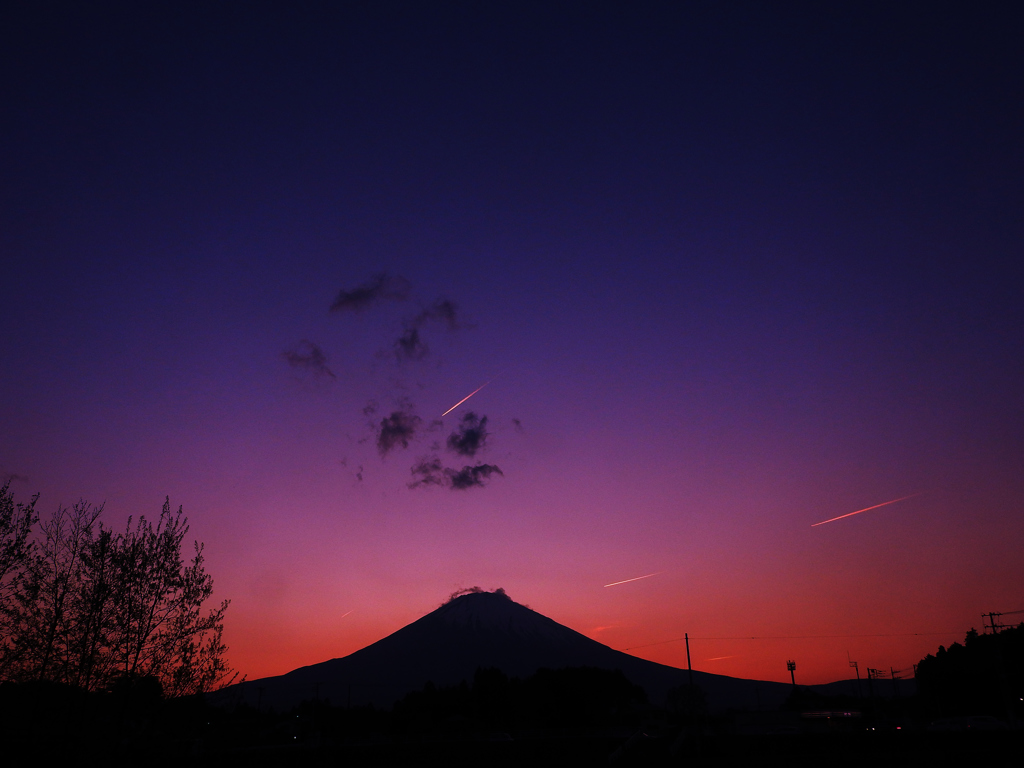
{"x":991,"y":616}
{"x":895,"y":677}
{"x":791,"y":666}
{"x":857,"y":670}
{"x":689,"y":668}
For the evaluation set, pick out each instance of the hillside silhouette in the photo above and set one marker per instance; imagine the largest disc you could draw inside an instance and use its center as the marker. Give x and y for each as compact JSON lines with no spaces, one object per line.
{"x":482,"y":630}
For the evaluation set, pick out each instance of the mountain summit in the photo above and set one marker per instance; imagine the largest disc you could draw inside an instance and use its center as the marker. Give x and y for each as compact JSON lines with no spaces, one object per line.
{"x":474,"y":630}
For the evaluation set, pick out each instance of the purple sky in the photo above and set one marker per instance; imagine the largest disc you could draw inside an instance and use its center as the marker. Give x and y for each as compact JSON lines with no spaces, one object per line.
{"x":729,"y":270}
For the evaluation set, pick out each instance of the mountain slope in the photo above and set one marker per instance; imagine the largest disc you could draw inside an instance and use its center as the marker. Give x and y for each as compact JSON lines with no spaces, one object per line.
{"x":483,"y":629}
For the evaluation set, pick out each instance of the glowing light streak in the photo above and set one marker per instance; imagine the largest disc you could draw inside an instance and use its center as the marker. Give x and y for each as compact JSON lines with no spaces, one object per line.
{"x":866,"y":509}
{"x":626,"y":581}
{"x":465,"y":398}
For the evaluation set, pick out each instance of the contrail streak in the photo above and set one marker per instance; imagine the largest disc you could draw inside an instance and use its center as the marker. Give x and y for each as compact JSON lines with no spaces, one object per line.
{"x":883,"y":504}
{"x":465,"y":398}
{"x":626,"y":581}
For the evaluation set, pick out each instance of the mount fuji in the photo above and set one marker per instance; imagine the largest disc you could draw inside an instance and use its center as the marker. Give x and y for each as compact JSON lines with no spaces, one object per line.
{"x":482,"y":629}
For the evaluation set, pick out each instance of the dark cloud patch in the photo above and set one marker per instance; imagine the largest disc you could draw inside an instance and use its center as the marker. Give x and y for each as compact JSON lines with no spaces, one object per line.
{"x":426,"y":472}
{"x":517,"y":424}
{"x":359,"y":473}
{"x":410,"y":345}
{"x":12,"y":477}
{"x":470,"y":435}
{"x":471,"y":477}
{"x":371,"y":408}
{"x":444,"y":311}
{"x":310,"y":357}
{"x":381,"y":288}
{"x":430,"y":472}
{"x":397,"y":430}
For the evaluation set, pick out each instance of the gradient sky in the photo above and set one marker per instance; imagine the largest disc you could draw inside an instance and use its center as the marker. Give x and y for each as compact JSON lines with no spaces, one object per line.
{"x":730,"y":270}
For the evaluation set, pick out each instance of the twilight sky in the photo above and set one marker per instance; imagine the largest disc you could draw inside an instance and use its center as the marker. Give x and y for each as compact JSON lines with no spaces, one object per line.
{"x":729,"y":269}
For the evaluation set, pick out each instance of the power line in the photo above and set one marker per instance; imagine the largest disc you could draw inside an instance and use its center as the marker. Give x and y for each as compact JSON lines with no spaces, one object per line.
{"x":793,"y":637}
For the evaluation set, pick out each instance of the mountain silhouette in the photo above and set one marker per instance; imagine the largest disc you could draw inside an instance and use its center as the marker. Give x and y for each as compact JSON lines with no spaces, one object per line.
{"x":482,"y":630}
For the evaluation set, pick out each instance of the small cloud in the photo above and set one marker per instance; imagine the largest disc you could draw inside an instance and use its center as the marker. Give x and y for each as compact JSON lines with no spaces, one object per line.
{"x":6,"y":478}
{"x":517,"y":424}
{"x":470,"y":435}
{"x":443,"y":310}
{"x":380,"y":288}
{"x":308,"y":356}
{"x":397,"y":429}
{"x":471,"y":477}
{"x":359,"y":473}
{"x":410,"y":345}
{"x":371,"y":408}
{"x":428,"y":471}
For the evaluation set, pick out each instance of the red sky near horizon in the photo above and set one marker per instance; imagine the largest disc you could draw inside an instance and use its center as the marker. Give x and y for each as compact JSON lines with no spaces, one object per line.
{"x":728,"y":272}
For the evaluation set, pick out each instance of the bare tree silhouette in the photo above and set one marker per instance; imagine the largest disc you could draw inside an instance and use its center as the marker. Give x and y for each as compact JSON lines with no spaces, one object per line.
{"x":91,"y":608}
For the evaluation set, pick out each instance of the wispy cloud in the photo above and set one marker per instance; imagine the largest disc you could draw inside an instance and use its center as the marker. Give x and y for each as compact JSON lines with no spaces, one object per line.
{"x":411,"y":344}
{"x":426,"y":472}
{"x":444,"y":311}
{"x":429,"y":472}
{"x":308,"y":356}
{"x":472,"y":477}
{"x":380,"y":288}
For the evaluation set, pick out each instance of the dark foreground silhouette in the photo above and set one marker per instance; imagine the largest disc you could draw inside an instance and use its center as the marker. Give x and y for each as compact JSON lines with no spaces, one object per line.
{"x":966,"y":710}
{"x":567,"y":717}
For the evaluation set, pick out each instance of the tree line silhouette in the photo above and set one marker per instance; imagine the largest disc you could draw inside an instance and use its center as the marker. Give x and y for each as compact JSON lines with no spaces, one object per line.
{"x":982,"y":675}
{"x":87,"y":607}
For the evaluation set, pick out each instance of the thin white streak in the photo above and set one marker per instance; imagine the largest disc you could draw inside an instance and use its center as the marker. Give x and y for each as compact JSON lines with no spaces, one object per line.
{"x":626,"y":581}
{"x":465,"y":398}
